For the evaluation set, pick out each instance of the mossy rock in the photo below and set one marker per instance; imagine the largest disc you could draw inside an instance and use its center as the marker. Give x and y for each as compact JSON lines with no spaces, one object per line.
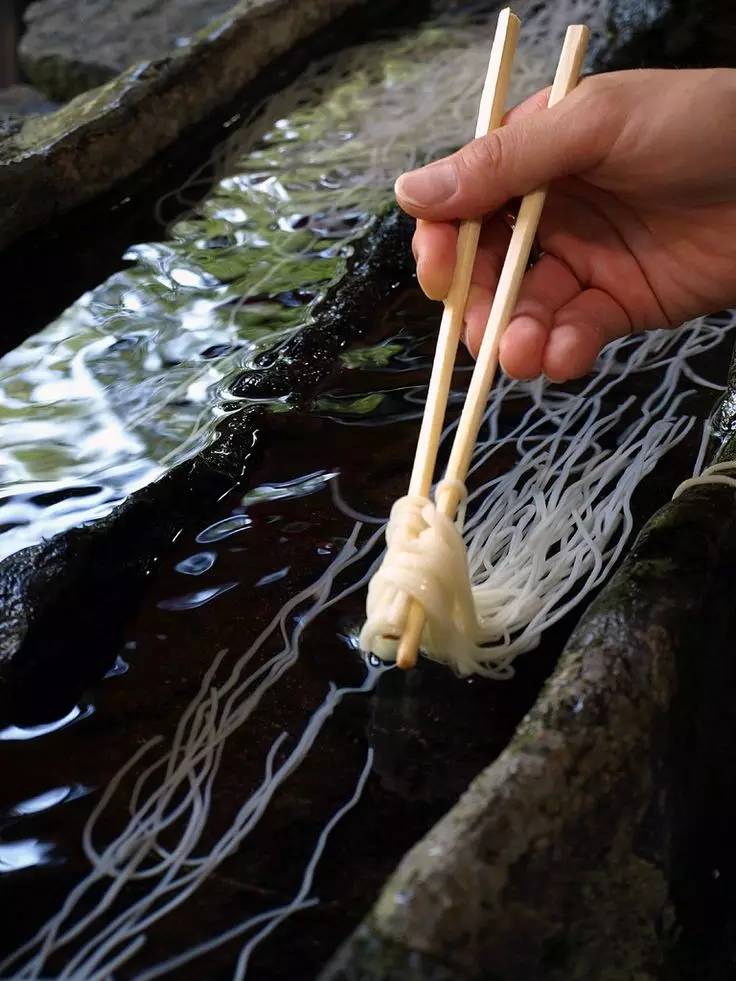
{"x":71,"y":46}
{"x":50,"y":164}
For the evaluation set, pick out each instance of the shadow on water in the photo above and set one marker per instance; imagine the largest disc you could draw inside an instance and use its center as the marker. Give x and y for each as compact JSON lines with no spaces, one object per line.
{"x":222,"y":583}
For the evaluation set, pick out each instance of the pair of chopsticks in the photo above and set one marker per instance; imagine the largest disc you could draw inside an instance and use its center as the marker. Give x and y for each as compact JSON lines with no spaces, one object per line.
{"x":490,"y":115}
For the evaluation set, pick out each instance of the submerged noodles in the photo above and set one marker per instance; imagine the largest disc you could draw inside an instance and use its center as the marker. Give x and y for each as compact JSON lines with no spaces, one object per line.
{"x":546,"y":532}
{"x":540,"y":535}
{"x":162,"y":846}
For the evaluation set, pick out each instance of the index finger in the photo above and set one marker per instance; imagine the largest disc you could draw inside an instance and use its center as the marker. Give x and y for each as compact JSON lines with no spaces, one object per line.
{"x":528,"y":106}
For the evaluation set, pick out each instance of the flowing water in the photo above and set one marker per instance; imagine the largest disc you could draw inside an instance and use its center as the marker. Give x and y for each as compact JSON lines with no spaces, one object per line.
{"x":127,"y":381}
{"x":131,"y":379}
{"x":430,"y":733}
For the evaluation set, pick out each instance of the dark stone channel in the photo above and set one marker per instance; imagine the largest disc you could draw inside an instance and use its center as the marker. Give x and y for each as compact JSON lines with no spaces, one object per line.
{"x":431,"y":733}
{"x":122,"y":630}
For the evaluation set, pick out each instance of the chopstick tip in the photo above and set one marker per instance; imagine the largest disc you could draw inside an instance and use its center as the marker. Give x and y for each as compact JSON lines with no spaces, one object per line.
{"x":406,"y":659}
{"x":508,"y":14}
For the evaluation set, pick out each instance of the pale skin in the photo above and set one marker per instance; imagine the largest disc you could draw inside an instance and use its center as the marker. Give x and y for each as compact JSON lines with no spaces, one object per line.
{"x":639,"y":228}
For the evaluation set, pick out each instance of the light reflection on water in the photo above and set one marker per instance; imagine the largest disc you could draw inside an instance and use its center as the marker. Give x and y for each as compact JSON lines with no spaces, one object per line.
{"x":223,"y":529}
{"x":125,"y":383}
{"x":17,"y":855}
{"x":47,"y":800}
{"x":16,"y":733}
{"x":191,"y":601}
{"x":198,"y":564}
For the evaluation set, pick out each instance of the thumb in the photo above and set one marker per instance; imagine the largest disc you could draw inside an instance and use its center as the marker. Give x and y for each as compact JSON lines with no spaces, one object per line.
{"x":511,"y":161}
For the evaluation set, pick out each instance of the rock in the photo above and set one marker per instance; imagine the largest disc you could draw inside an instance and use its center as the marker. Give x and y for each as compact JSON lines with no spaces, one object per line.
{"x":50,"y":164}
{"x":686,"y":33}
{"x":74,"y":45}
{"x":23,"y":100}
{"x":369,"y":956}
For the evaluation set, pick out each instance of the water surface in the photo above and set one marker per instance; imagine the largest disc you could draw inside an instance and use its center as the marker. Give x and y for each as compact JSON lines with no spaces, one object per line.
{"x":221,"y":583}
{"x":132,"y":379}
{"x":128,"y":380}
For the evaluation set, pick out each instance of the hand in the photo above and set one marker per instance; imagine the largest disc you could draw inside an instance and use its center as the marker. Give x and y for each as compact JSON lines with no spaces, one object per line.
{"x":639,"y":228}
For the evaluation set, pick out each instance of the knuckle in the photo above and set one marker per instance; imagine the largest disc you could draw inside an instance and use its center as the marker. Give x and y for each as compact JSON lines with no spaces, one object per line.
{"x":484,"y":154}
{"x":603,"y":103}
{"x":604,"y":97}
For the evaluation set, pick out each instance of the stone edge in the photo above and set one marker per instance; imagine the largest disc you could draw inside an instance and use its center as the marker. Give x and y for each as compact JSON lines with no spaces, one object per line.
{"x":53,"y":163}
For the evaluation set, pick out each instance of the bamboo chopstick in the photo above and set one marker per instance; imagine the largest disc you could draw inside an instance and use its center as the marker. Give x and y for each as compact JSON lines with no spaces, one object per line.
{"x":507,"y":291}
{"x":490,"y":114}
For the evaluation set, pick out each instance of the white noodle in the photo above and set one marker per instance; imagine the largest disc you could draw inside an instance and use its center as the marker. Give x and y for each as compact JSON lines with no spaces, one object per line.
{"x":540,"y":535}
{"x":715,"y":474}
{"x":272,"y":918}
{"x":545,"y":532}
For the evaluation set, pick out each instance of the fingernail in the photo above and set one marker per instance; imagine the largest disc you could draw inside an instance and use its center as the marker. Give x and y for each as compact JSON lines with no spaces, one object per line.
{"x":431,"y":185}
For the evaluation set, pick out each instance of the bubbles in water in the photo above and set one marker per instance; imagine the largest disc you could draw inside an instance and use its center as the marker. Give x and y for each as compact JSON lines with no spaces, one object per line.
{"x":193,"y":600}
{"x":197,"y":564}
{"x":224,"y":529}
{"x":20,"y":733}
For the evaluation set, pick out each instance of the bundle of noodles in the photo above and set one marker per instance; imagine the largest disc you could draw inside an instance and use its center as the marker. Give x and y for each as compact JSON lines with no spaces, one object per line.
{"x":544,"y":533}
{"x":425,"y":559}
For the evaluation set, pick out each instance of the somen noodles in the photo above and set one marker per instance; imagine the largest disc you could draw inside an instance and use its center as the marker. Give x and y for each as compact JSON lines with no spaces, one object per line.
{"x":547,"y":513}
{"x":540,"y":535}
{"x":544,"y":533}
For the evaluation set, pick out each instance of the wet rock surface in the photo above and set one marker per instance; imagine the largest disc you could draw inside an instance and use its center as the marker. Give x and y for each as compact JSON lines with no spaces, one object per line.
{"x":74,"y":45}
{"x":685,"y":33}
{"x":51,"y":164}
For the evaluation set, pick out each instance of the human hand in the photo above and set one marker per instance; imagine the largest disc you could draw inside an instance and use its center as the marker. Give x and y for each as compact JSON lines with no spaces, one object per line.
{"x":639,"y":227}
